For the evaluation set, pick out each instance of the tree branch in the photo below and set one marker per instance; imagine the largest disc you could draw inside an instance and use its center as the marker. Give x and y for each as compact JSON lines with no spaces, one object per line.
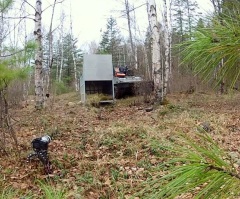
{"x":25,"y":17}
{"x":211,"y":167}
{"x":9,"y":55}
{"x":132,"y":9}
{"x":53,"y":5}
{"x":29,"y":4}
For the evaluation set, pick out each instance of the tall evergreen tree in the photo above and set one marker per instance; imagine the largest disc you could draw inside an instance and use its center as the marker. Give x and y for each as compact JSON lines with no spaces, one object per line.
{"x":69,"y":49}
{"x":111,"y":40}
{"x":185,"y":14}
{"x":178,"y":16}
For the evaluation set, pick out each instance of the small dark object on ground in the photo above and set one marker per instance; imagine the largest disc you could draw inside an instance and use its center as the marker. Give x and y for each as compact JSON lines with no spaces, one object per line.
{"x":191,"y":90}
{"x":40,"y":148}
{"x":148,"y":109}
{"x":206,"y":126}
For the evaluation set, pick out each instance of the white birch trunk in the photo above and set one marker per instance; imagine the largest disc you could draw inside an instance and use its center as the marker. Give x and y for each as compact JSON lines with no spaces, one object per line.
{"x":57,"y":63}
{"x":25,"y":84}
{"x":50,"y":59}
{"x":167,"y":51}
{"x":155,"y":38}
{"x":61,"y":62}
{"x":57,"y":69}
{"x":135,"y":46}
{"x":170,"y":39}
{"x":73,"y":56}
{"x":75,"y":69}
{"x":61,"y":58}
{"x":75,"y":72}
{"x":130,"y":31}
{"x":38,"y":57}
{"x":147,"y":71}
{"x":1,"y":33}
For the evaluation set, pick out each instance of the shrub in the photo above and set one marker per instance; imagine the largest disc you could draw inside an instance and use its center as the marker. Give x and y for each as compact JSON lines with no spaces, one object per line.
{"x":60,"y":88}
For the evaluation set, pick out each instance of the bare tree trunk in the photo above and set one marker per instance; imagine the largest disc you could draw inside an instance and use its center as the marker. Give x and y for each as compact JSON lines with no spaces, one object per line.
{"x":189,"y":19}
{"x":5,"y":122}
{"x":147,"y":69}
{"x":155,"y":38}
{"x":222,"y":84}
{"x":217,"y":5}
{"x":170,"y":38}
{"x":167,"y":51}
{"x":75,"y":71}
{"x":57,"y":62}
{"x":73,"y":56}
{"x":61,"y":61}
{"x":61,"y":58}
{"x":38,"y":57}
{"x":25,"y":85}
{"x":129,"y":30}
{"x":135,"y":46}
{"x":1,"y":33}
{"x":50,"y":59}
{"x":3,"y":136}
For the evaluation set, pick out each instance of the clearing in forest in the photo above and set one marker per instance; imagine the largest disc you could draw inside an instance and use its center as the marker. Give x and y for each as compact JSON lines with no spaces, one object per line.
{"x":109,"y":151}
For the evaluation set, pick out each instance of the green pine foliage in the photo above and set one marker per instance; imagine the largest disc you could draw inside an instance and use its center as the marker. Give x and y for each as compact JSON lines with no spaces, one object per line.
{"x":197,"y":166}
{"x":64,"y":54}
{"x":68,"y":69}
{"x":111,"y":40}
{"x":5,"y":5}
{"x":214,"y":50}
{"x":13,"y":66}
{"x":7,"y":74}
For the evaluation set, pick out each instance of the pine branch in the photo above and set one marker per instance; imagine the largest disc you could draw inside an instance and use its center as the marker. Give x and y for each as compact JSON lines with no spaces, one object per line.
{"x":194,"y":162}
{"x":211,"y":167}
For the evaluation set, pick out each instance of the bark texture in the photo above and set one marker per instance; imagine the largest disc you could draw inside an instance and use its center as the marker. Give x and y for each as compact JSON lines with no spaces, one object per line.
{"x":133,"y":53}
{"x":167,"y":50}
{"x":39,"y":93}
{"x":155,"y":45}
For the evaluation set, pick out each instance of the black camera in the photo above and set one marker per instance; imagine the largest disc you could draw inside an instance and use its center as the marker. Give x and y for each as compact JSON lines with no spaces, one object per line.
{"x":40,"y":148}
{"x":41,"y":144}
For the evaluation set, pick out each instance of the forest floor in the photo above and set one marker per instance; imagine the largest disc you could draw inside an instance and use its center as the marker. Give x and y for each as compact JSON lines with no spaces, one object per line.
{"x":109,"y":151}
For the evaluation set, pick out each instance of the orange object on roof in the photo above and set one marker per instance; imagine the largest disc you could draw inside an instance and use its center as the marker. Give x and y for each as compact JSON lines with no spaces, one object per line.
{"x":118,"y":73}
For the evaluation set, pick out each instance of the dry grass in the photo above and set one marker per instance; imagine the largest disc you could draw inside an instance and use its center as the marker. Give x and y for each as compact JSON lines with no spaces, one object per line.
{"x":108,"y":152}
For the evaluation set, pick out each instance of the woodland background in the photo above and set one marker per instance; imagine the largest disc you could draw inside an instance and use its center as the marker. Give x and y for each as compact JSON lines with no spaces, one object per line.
{"x":184,"y":146}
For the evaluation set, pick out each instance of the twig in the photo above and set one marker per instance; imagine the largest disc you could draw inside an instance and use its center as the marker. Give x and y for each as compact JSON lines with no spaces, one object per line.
{"x":9,"y":55}
{"x":211,"y":167}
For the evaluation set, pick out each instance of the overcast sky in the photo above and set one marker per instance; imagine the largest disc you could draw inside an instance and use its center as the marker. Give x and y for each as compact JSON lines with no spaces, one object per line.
{"x":90,"y":16}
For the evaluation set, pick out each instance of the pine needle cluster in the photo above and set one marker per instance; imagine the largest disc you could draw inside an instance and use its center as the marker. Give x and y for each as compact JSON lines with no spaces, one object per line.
{"x":197,"y":166}
{"x":213,"y":52}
